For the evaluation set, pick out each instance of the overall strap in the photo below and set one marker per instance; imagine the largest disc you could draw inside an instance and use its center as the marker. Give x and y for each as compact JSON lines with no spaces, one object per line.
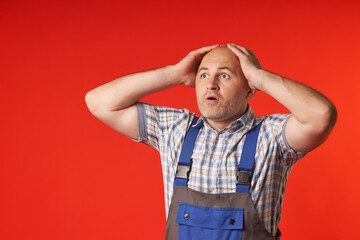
{"x":184,"y":165}
{"x":244,"y":174}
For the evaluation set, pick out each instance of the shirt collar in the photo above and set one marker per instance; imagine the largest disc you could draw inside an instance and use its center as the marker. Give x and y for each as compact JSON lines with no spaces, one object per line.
{"x":247,"y":120}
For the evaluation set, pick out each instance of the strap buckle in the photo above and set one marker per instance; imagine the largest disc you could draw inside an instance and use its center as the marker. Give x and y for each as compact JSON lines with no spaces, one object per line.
{"x":182,"y":171}
{"x":244,"y":178}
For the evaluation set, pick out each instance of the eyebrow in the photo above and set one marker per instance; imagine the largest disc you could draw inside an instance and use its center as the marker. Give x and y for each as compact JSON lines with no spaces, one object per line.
{"x":220,"y":68}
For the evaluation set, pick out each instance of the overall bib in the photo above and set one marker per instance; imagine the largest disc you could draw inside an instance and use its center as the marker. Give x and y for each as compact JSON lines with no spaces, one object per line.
{"x":227,"y":216}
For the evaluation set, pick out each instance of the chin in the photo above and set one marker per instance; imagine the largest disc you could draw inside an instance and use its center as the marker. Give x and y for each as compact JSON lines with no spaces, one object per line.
{"x":215,"y":116}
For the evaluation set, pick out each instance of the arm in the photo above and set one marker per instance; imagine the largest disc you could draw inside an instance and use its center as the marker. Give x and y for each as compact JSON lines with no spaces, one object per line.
{"x":313,"y":115}
{"x":114,"y":103}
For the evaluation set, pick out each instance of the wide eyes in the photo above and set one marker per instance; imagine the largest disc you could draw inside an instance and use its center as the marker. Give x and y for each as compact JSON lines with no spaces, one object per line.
{"x":221,"y":76}
{"x":204,"y":75}
{"x":224,"y":76}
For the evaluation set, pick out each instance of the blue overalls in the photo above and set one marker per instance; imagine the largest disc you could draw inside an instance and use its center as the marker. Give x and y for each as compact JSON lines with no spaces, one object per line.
{"x":196,"y":215}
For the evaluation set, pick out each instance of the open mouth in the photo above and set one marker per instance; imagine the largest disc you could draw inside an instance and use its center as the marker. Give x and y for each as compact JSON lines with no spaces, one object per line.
{"x":212,"y":98}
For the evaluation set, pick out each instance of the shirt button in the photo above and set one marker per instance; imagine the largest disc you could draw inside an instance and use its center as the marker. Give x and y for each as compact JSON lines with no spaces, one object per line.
{"x":186,"y":216}
{"x":232,"y":221}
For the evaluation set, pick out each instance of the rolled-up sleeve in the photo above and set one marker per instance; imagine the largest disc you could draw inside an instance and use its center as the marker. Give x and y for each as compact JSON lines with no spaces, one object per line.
{"x":278,"y":124}
{"x":156,"y":121}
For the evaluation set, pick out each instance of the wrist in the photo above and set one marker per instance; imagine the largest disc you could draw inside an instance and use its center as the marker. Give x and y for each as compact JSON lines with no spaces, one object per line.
{"x":170,"y":75}
{"x":174,"y":75}
{"x":266,"y":80}
{"x":257,"y":78}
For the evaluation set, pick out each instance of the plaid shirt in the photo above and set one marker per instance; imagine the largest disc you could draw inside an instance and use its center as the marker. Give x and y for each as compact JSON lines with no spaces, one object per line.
{"x":216,"y":155}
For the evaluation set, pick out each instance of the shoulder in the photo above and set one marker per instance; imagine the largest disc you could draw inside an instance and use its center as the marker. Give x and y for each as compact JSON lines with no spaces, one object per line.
{"x":164,"y":117}
{"x":274,"y":124}
{"x":274,"y":133}
{"x":276,"y":119}
{"x":160,"y":110}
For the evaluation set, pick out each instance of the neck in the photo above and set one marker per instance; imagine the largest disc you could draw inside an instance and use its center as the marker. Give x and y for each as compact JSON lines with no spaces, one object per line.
{"x":220,"y":124}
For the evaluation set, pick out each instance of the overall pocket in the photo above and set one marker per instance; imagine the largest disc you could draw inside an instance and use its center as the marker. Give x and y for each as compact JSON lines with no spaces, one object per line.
{"x":198,"y":223}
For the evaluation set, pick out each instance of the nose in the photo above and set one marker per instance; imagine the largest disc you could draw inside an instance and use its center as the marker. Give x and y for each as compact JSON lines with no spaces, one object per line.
{"x":212,"y":84}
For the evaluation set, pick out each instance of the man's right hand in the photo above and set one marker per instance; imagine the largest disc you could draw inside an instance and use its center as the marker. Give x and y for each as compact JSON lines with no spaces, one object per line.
{"x":187,"y":67}
{"x":114,"y":103}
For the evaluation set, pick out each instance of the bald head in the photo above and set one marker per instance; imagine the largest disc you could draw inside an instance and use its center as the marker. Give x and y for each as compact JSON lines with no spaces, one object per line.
{"x":224,"y":56}
{"x":222,"y":51}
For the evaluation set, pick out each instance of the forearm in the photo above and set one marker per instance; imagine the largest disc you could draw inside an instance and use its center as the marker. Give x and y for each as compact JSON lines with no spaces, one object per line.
{"x":314,"y":115}
{"x":308,"y":106}
{"x":125,"y":91}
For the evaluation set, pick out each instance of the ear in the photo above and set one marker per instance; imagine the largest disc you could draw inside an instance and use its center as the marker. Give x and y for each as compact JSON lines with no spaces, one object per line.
{"x":250,"y":94}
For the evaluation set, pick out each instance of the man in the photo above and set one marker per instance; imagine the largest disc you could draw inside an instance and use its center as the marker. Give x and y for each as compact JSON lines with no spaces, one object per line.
{"x":225,"y":79}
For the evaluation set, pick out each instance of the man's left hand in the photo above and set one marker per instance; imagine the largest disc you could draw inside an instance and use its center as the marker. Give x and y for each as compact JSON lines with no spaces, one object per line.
{"x":248,"y":63}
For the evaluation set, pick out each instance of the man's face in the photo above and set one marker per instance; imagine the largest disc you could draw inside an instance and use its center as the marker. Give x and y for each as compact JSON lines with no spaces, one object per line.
{"x":222,"y":91}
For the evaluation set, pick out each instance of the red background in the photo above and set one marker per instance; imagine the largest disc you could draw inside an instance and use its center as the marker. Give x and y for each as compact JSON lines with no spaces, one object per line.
{"x":65,"y":175}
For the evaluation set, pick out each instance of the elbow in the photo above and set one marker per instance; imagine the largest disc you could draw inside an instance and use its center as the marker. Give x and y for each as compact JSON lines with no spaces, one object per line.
{"x":90,"y":101}
{"x":331,"y":116}
{"x":327,"y":118}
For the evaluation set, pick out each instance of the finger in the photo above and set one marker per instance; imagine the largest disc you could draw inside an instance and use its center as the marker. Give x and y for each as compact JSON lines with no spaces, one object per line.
{"x":243,"y":49}
{"x":208,"y":48}
{"x":251,"y":53}
{"x":238,"y":52}
{"x":204,"y":50}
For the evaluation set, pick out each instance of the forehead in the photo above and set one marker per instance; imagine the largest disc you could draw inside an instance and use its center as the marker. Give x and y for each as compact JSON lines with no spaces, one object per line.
{"x":220,"y":57}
